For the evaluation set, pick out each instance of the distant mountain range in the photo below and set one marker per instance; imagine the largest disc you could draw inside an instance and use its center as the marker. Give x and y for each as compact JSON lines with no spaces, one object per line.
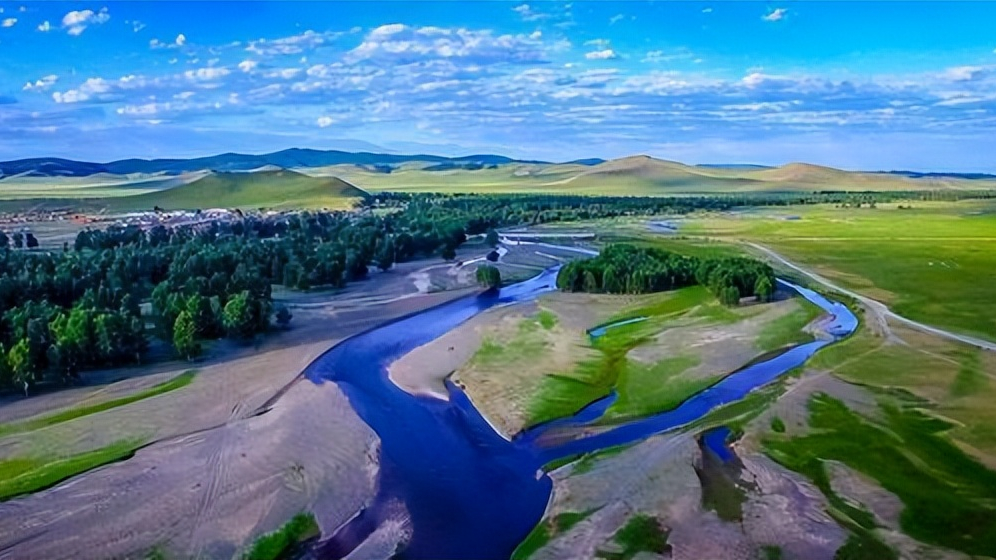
{"x":286,"y":159}
{"x":298,"y":158}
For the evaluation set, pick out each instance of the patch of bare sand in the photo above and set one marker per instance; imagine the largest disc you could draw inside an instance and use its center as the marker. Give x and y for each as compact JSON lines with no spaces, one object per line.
{"x":502,"y":389}
{"x":217,"y":474}
{"x":423,"y":370}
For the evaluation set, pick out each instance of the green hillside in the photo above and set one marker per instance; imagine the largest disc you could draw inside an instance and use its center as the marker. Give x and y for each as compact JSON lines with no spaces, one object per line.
{"x":262,"y":189}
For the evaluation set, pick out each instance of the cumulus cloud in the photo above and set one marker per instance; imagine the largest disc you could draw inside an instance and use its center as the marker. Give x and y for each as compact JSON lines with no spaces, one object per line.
{"x":248,"y":65}
{"x":180,"y":41}
{"x":9,"y":22}
{"x":604,"y":54}
{"x":616,"y":19}
{"x":76,"y":22}
{"x":324,"y":121}
{"x":41,"y":84}
{"x":295,"y":44}
{"x":136,"y":25}
{"x":776,"y":14}
{"x":400,"y":42}
{"x":967,"y":73}
{"x":527,"y":13}
{"x":44,"y":27}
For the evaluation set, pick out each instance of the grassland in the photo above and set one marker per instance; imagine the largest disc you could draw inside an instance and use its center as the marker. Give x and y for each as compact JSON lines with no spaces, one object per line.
{"x":263,"y":189}
{"x":266,"y":189}
{"x":25,"y":475}
{"x":949,"y":498}
{"x":635,"y":176}
{"x":932,"y":263}
{"x":177,"y":382}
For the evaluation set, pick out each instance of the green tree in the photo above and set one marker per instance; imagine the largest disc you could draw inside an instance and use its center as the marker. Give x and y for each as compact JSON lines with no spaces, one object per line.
{"x":730,"y":295}
{"x":240,"y":317}
{"x":448,"y":253}
{"x":489,"y":277}
{"x":491,"y":239}
{"x":763,"y":288}
{"x":185,"y":336}
{"x":283,"y":316}
{"x":610,"y":281}
{"x":590,"y":283}
{"x":385,"y":254}
{"x":23,"y":367}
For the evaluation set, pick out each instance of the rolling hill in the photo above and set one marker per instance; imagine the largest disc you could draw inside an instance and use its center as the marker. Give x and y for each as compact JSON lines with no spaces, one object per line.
{"x":286,"y":159}
{"x":262,"y":189}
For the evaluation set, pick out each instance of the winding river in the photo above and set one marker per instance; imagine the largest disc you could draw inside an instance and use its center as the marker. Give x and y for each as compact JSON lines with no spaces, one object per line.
{"x":465,"y":491}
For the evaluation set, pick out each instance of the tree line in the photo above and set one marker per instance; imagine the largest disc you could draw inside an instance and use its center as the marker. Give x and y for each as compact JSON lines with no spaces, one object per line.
{"x":626,"y":269}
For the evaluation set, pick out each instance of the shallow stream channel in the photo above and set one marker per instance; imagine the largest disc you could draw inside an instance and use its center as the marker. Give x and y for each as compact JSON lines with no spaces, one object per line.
{"x":457,"y":488}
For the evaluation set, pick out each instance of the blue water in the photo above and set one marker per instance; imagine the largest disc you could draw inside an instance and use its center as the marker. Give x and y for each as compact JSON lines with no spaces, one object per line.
{"x":468,"y":492}
{"x":600,"y":331}
{"x":715,"y":441}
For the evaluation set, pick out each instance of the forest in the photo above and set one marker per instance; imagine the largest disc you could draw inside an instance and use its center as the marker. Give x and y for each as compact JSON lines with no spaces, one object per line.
{"x":65,"y":311}
{"x":625,"y":269}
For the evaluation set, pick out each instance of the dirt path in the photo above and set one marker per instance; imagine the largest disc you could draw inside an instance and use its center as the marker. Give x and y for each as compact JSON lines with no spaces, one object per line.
{"x":877,"y":307}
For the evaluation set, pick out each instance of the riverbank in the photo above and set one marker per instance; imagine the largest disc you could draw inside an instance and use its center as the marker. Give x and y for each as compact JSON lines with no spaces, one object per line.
{"x":230,"y":456}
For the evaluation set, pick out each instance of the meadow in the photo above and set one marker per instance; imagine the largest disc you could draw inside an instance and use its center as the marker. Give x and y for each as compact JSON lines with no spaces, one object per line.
{"x":932,"y":263}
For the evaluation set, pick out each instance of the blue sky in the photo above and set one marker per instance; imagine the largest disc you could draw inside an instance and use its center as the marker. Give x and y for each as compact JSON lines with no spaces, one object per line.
{"x":859,"y":85}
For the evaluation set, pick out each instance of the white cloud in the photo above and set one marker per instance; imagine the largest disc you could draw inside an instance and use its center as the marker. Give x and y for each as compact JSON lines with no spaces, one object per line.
{"x":248,"y":65}
{"x":707,"y":10}
{"x":402,"y":43}
{"x":45,"y":27}
{"x":180,"y":41}
{"x":206,"y":74}
{"x":89,"y":88}
{"x":605,"y":54}
{"x":616,"y":18}
{"x":136,"y":25}
{"x":776,"y":14}
{"x":324,"y":122}
{"x":41,"y":84}
{"x":967,"y":73}
{"x":295,"y":44}
{"x":76,"y":22}
{"x":527,"y":13}
{"x":597,"y":43}
{"x":9,"y":22}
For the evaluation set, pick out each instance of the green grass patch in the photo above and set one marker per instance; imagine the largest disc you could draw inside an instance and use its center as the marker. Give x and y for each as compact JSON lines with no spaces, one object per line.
{"x":667,"y":304}
{"x":787,"y":330}
{"x":642,"y":533}
{"x":547,"y":319}
{"x":279,"y":543}
{"x":949,"y":497}
{"x":777,"y":425}
{"x":863,"y":545}
{"x":971,"y":379}
{"x":177,"y":382}
{"x":771,"y":552}
{"x":25,"y":475}
{"x":546,"y":530}
{"x":645,"y":390}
